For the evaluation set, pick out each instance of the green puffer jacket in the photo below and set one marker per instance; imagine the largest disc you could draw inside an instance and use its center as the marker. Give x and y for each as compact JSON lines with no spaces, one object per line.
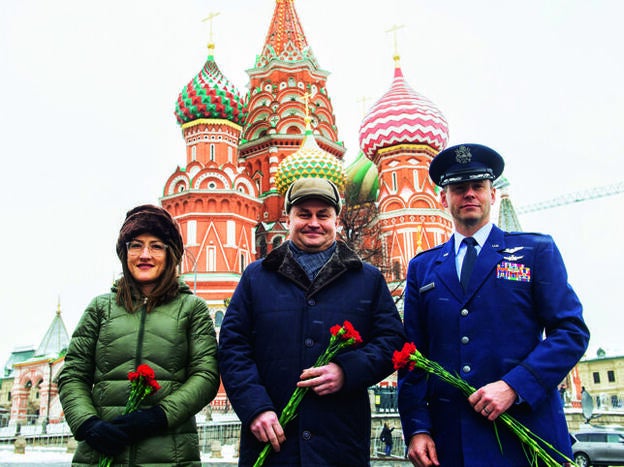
{"x":176,"y":339}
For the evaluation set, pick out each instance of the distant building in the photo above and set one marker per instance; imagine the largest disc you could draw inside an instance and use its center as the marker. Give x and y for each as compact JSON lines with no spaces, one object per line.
{"x":28,"y":390}
{"x":603,"y":379}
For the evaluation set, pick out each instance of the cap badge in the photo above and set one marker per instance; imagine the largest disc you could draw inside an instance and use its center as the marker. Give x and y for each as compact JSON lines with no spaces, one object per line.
{"x":462,"y":155}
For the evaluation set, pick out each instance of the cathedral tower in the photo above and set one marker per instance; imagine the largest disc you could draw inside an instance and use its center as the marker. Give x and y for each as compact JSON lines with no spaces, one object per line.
{"x":213,"y":200}
{"x":285,"y":80}
{"x":401,"y":134}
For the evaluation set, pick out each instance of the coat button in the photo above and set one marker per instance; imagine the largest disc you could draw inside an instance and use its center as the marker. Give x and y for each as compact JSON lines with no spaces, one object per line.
{"x":465,"y":340}
{"x":306,"y":435}
{"x":311,"y":302}
{"x":466,"y":368}
{"x":309,"y":342}
{"x":464,"y":312}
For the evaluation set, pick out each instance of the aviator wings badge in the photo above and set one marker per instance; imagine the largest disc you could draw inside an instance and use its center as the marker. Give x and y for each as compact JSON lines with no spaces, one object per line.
{"x":513,"y":250}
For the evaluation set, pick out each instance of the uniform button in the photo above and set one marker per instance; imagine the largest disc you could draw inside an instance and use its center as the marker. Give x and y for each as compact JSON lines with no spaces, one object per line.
{"x":465,"y":340}
{"x":466,"y":368}
{"x":309,"y":342}
{"x":464,"y":312}
{"x":311,"y":302}
{"x":306,"y":435}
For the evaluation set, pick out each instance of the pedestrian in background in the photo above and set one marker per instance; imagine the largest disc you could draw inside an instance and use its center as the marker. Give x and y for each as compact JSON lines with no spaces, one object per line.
{"x":495,"y":308}
{"x":386,"y":438}
{"x":149,"y":317}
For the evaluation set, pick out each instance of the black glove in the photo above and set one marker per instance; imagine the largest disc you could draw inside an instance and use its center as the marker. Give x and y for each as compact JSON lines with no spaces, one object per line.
{"x":102,"y":436}
{"x":142,"y":423}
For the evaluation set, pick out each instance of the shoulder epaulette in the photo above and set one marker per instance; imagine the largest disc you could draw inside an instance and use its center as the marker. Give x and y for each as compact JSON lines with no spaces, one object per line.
{"x":430,"y":250}
{"x":520,"y":234}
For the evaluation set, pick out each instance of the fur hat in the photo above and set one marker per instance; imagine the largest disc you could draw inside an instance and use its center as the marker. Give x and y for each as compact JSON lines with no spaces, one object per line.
{"x":154,"y":220}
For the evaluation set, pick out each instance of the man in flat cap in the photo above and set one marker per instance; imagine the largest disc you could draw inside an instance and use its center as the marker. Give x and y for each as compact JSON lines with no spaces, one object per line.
{"x":496,"y":309}
{"x":277,"y":325}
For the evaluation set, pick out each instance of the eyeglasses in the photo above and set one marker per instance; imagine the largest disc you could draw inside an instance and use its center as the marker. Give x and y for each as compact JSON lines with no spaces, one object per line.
{"x":136,"y":248}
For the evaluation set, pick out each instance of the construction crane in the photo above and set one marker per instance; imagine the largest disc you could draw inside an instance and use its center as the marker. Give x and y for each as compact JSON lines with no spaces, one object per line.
{"x":575,"y":197}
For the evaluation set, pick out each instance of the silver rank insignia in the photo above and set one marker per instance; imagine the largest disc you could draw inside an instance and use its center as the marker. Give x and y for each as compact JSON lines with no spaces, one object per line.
{"x":462,"y":155}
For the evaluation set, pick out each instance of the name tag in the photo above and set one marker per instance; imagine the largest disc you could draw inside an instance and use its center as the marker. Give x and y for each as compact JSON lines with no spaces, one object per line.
{"x":426,"y":288}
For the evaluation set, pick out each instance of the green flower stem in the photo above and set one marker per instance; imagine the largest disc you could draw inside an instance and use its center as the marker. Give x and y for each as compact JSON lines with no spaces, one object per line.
{"x":290,"y":410}
{"x":531,"y":442}
{"x":139,"y":390}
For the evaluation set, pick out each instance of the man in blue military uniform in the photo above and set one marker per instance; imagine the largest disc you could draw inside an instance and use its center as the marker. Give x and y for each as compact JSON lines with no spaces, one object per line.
{"x":495,"y":308}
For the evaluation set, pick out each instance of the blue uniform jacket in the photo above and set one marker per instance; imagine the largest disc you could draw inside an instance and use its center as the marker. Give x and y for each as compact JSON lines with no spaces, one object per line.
{"x":519,"y":321}
{"x":277,"y":324}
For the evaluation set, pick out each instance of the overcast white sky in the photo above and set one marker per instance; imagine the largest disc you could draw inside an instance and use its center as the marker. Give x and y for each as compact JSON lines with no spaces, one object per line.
{"x":87,"y":131}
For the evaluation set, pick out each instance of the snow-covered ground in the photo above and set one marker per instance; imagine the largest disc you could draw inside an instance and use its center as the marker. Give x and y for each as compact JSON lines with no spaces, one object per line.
{"x":58,"y":457}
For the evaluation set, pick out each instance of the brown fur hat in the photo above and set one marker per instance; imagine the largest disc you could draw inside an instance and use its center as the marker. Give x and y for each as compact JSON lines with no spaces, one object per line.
{"x":154,"y":220}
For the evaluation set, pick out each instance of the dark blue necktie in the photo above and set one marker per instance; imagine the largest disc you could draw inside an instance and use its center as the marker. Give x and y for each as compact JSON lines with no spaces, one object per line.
{"x":468,"y":263}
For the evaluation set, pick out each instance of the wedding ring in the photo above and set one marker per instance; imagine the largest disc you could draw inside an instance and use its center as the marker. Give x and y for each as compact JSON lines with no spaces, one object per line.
{"x":486,"y":410}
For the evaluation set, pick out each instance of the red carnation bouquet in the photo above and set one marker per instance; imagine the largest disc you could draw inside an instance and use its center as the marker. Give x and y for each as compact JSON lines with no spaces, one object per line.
{"x":341,"y":337}
{"x":535,"y":447}
{"x":142,"y":384}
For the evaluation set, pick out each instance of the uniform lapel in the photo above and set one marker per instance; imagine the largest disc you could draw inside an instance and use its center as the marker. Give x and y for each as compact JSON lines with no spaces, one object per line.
{"x":487,"y":260}
{"x":446,"y":269}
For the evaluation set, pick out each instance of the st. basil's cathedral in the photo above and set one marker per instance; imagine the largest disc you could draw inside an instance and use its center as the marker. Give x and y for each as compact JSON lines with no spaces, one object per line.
{"x":242,"y":151}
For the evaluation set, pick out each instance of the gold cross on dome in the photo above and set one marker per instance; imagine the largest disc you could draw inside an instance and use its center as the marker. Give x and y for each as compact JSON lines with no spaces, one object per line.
{"x":363,"y":100}
{"x":209,"y":18}
{"x":306,"y":101}
{"x":394,"y":30}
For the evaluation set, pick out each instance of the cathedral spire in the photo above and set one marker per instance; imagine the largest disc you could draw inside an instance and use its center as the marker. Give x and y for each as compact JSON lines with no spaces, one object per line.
{"x":285,"y":40}
{"x":56,"y":338}
{"x":507,"y":217}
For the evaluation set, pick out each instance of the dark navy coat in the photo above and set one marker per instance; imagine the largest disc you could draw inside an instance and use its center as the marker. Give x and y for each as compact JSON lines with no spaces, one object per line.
{"x":519,"y":321}
{"x":277,"y":324}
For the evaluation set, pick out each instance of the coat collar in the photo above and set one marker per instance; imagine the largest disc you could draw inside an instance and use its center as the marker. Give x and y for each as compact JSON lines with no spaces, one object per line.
{"x":281,"y":260}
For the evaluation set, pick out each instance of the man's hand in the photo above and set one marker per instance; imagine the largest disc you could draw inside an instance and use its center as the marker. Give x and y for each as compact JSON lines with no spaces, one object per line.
{"x":422,"y":451}
{"x":266,"y":428}
{"x":322,"y":380}
{"x":493,"y":399}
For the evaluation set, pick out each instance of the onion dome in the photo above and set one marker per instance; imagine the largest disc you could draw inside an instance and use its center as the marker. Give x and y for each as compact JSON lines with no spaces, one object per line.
{"x":362,"y":181}
{"x":402,"y":116}
{"x":210,"y":95}
{"x":309,"y":161}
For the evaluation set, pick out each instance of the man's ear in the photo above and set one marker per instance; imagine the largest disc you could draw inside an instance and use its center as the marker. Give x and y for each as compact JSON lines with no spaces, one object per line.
{"x":443,"y":197}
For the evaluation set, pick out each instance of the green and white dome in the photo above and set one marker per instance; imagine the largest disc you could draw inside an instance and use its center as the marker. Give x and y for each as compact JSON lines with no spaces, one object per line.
{"x":309,"y":161}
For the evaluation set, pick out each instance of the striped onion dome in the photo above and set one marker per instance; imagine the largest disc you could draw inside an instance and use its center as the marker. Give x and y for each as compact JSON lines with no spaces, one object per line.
{"x":309,"y":161}
{"x":210,"y":95}
{"x":362,"y":180}
{"x":402,"y":116}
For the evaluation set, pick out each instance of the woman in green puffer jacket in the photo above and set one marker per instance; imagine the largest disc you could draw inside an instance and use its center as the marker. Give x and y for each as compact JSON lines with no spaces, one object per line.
{"x":150,"y":317}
